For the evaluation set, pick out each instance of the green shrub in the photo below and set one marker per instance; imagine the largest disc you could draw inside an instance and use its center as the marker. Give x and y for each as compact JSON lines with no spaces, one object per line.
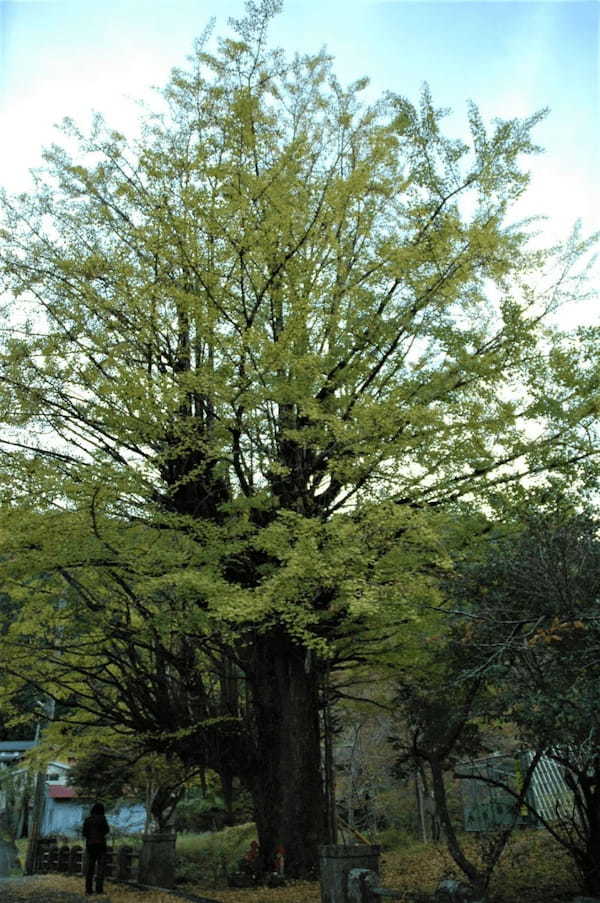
{"x":394,"y":838}
{"x":198,"y":813}
{"x":120,"y":839}
{"x":211,"y":857}
{"x":187,"y":871}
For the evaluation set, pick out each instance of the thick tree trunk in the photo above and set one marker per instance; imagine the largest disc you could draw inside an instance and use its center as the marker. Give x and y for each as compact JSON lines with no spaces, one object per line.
{"x":590,"y":860}
{"x":288,"y":794}
{"x":226,"y":777}
{"x":590,"y":866}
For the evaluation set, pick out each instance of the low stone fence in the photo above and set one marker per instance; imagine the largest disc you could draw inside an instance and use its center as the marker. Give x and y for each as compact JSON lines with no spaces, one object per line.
{"x":121,"y":864}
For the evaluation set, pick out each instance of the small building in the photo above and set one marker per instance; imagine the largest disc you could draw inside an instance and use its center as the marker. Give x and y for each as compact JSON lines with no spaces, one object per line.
{"x":57,"y":773}
{"x":11,"y":757}
{"x":64,"y":811}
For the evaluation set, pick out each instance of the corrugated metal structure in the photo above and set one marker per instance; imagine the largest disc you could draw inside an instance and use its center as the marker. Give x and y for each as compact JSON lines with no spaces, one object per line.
{"x":490,"y":808}
{"x":552,"y":798}
{"x":64,"y":814}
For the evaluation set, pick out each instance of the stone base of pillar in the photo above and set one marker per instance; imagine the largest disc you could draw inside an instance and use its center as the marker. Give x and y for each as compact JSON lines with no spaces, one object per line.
{"x":157,"y":860}
{"x":335,"y":863}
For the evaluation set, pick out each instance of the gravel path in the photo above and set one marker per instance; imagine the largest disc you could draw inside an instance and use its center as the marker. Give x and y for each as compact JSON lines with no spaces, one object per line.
{"x":18,"y":890}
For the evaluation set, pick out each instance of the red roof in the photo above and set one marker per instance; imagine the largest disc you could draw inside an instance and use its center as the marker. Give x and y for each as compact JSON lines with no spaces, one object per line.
{"x":59,"y":792}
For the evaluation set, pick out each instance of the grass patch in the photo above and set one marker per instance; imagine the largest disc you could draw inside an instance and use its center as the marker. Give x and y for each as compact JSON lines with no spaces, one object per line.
{"x":210,"y":858}
{"x":533,"y":869}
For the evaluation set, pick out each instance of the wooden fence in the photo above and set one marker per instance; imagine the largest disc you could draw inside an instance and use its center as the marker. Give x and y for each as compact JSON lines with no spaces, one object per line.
{"x":122,"y":863}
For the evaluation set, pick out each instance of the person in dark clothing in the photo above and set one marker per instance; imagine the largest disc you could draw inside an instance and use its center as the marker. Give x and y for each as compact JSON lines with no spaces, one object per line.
{"x":95,"y":828}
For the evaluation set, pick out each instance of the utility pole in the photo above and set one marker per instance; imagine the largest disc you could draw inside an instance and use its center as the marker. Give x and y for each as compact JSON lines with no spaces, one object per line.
{"x":36,"y":822}
{"x":329,"y":766}
{"x":39,"y":798}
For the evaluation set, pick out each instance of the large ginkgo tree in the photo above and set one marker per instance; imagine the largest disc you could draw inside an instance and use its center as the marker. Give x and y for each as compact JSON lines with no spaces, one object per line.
{"x":246,"y":355}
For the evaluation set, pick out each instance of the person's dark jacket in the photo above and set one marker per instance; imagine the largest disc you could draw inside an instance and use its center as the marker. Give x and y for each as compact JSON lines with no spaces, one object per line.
{"x":95,"y":828}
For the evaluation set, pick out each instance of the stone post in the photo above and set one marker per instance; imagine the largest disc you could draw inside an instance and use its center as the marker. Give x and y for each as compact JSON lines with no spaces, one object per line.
{"x":336,"y":861}
{"x":76,"y":860}
{"x":53,"y":858}
{"x":62,"y":862}
{"x":157,"y":860}
{"x":124,"y":868}
{"x":42,"y":856}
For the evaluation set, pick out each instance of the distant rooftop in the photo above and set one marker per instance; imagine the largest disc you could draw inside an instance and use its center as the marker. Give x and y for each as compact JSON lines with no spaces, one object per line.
{"x":58,"y":792}
{"x":11,"y":749}
{"x":17,"y":744}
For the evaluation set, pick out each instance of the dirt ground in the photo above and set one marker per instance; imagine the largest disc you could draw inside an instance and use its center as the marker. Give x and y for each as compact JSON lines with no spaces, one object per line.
{"x":18,"y":890}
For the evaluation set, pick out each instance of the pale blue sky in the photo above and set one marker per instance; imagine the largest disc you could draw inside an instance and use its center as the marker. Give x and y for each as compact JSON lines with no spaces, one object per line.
{"x":66,"y":58}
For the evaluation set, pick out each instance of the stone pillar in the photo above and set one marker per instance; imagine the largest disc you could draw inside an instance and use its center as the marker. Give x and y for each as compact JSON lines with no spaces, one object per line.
{"x":157,"y":860}
{"x":336,"y":861}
